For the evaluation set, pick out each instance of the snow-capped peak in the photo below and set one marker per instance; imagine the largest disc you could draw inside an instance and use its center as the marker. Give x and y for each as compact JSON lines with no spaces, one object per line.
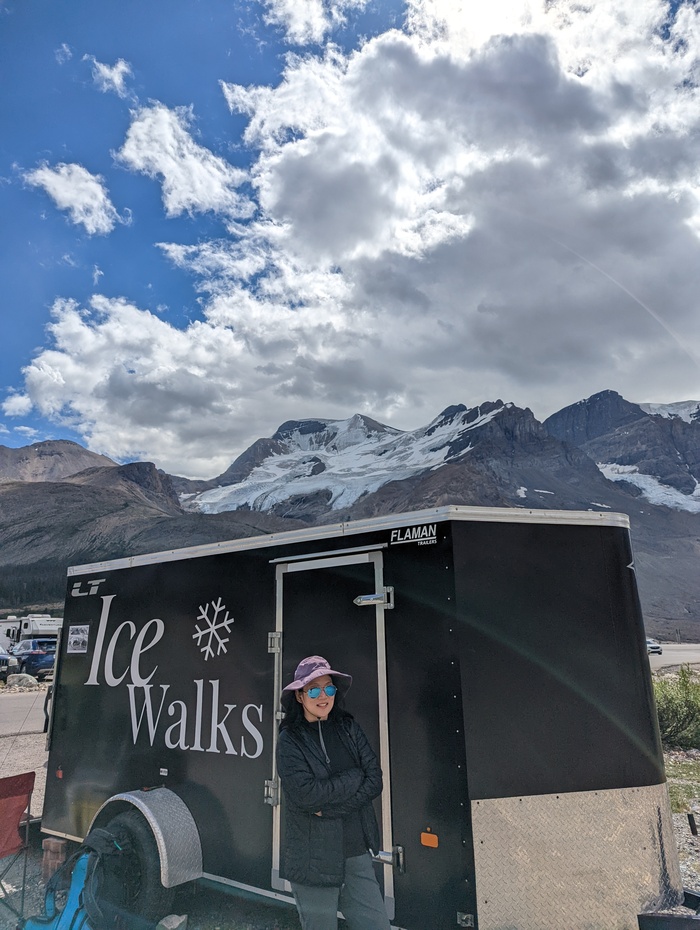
{"x":688,"y":410}
{"x":343,"y":459}
{"x":330,"y":435}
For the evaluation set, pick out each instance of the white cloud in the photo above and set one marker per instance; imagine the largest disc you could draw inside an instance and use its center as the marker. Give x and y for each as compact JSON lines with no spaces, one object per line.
{"x":495,"y":205}
{"x":17,"y":405}
{"x":309,"y":21}
{"x":83,"y":195}
{"x":159,"y":144}
{"x":135,"y":386}
{"x":110,"y":79}
{"x":63,"y":54}
{"x":115,"y":364}
{"x":500,"y":184}
{"x":27,"y":432}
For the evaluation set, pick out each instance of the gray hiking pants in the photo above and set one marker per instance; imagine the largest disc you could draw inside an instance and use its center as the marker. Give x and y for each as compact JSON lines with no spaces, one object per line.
{"x":359,"y":899}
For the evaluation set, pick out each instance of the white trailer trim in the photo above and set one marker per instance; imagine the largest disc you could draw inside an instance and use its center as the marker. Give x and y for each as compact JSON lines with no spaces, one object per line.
{"x":332,"y":531}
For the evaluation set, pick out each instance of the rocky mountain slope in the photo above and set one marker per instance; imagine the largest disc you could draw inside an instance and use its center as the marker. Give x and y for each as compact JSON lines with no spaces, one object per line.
{"x":52,"y":460}
{"x":603,"y":453}
{"x":97,"y":514}
{"x":653,"y":447}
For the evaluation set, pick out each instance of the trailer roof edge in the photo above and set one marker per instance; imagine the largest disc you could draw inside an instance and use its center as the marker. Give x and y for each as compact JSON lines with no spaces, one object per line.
{"x":389,"y":521}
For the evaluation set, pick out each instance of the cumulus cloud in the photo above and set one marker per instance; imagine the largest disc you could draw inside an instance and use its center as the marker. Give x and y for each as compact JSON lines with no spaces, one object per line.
{"x":499,"y":205}
{"x":81,"y":194}
{"x":308,"y":22}
{"x":17,"y":405}
{"x":510,"y":173}
{"x":159,"y":144}
{"x":110,"y":79}
{"x":121,"y":376}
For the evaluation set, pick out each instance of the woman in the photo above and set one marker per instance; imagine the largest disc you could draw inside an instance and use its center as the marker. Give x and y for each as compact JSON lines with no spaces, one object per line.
{"x":330,"y":776}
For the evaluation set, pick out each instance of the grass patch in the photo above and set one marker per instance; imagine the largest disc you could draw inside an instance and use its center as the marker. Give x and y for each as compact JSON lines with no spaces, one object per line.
{"x":683,"y":784}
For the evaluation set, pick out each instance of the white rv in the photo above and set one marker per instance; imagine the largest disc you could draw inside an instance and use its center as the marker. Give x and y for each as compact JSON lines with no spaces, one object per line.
{"x":16,"y":628}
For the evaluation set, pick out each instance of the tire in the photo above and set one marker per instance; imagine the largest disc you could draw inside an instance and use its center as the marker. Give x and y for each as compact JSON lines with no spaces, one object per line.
{"x":137,"y":887}
{"x":23,"y":669}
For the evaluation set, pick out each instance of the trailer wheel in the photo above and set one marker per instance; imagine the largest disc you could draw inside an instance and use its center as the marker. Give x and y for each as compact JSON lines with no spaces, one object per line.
{"x":137,"y":886}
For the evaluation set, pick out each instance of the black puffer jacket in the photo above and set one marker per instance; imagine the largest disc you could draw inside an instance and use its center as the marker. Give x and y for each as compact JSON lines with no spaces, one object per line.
{"x":313,"y":852}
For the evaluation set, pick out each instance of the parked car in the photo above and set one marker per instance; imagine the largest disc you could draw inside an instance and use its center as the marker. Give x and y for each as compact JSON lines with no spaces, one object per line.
{"x":8,"y":664}
{"x":653,"y":647}
{"x":36,"y":656}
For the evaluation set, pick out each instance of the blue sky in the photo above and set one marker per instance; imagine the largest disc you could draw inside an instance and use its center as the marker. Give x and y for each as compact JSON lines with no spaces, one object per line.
{"x":219,"y":216}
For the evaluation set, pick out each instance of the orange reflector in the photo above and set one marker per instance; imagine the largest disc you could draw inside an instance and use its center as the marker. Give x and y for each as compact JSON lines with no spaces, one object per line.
{"x":429,"y":839}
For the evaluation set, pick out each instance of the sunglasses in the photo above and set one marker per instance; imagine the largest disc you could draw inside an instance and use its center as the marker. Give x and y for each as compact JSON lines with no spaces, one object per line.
{"x":330,"y":691}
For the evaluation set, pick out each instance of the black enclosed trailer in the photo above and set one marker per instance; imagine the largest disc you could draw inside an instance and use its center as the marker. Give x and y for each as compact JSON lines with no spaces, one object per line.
{"x":500,"y":671}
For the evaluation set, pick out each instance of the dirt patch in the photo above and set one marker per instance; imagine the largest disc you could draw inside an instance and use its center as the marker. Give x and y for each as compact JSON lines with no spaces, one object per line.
{"x":26,"y":753}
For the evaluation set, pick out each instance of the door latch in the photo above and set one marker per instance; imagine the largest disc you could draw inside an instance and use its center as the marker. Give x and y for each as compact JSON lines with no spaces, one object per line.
{"x":383,"y":598}
{"x":394,"y":857}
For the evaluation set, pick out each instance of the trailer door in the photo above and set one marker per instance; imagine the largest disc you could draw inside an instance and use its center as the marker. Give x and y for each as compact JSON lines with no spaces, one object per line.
{"x":333,"y":605}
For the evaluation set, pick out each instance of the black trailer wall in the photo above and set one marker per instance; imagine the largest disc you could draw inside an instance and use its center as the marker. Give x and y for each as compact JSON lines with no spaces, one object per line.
{"x":555,"y":680}
{"x":203,"y":720}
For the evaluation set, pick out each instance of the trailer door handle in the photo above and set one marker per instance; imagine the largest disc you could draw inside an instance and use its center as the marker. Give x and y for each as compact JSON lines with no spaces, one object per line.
{"x":383,"y":598}
{"x":394,"y":858}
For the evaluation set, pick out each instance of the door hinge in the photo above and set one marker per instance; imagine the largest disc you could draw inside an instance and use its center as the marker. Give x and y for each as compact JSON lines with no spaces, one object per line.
{"x":272,"y":792}
{"x":465,"y":920}
{"x":383,"y":598}
{"x":274,"y":642}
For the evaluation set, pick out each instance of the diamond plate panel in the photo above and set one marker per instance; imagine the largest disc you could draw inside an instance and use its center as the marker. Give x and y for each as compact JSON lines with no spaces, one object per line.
{"x":174,"y":829}
{"x":589,"y":860}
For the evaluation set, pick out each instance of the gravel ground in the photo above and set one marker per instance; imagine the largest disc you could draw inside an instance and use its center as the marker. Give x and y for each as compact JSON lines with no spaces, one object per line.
{"x":688,"y":851}
{"x":210,"y":909}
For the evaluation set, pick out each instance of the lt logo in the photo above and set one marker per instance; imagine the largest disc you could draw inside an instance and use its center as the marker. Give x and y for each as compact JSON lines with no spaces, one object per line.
{"x":77,"y":589}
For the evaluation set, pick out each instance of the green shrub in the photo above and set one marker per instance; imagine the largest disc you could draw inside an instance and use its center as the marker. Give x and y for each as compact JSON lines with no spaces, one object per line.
{"x":678,"y":707}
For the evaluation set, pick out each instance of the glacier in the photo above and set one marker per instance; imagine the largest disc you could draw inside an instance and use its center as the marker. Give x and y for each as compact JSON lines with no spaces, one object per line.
{"x":345,"y":459}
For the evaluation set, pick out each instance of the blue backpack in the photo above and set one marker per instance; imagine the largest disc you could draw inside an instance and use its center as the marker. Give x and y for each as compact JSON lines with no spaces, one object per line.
{"x":92,"y":883}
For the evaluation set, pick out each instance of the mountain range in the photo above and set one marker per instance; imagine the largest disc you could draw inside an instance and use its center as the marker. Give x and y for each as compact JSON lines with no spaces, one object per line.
{"x":61,"y":504}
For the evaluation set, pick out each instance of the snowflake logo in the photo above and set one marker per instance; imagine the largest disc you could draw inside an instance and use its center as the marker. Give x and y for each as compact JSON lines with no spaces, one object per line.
{"x":215,"y":624}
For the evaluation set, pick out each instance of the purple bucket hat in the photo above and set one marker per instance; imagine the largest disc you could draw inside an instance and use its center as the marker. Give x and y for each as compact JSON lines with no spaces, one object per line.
{"x":315,"y":667}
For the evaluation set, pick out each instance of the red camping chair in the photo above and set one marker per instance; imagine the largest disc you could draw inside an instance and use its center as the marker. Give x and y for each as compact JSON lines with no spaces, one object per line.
{"x":15,"y":799}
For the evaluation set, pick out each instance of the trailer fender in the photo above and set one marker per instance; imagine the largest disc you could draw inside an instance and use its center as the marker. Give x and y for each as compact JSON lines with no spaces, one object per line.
{"x":173,"y":826}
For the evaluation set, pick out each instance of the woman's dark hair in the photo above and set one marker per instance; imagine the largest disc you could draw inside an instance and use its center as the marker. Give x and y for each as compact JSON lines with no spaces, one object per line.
{"x":294,"y":711}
